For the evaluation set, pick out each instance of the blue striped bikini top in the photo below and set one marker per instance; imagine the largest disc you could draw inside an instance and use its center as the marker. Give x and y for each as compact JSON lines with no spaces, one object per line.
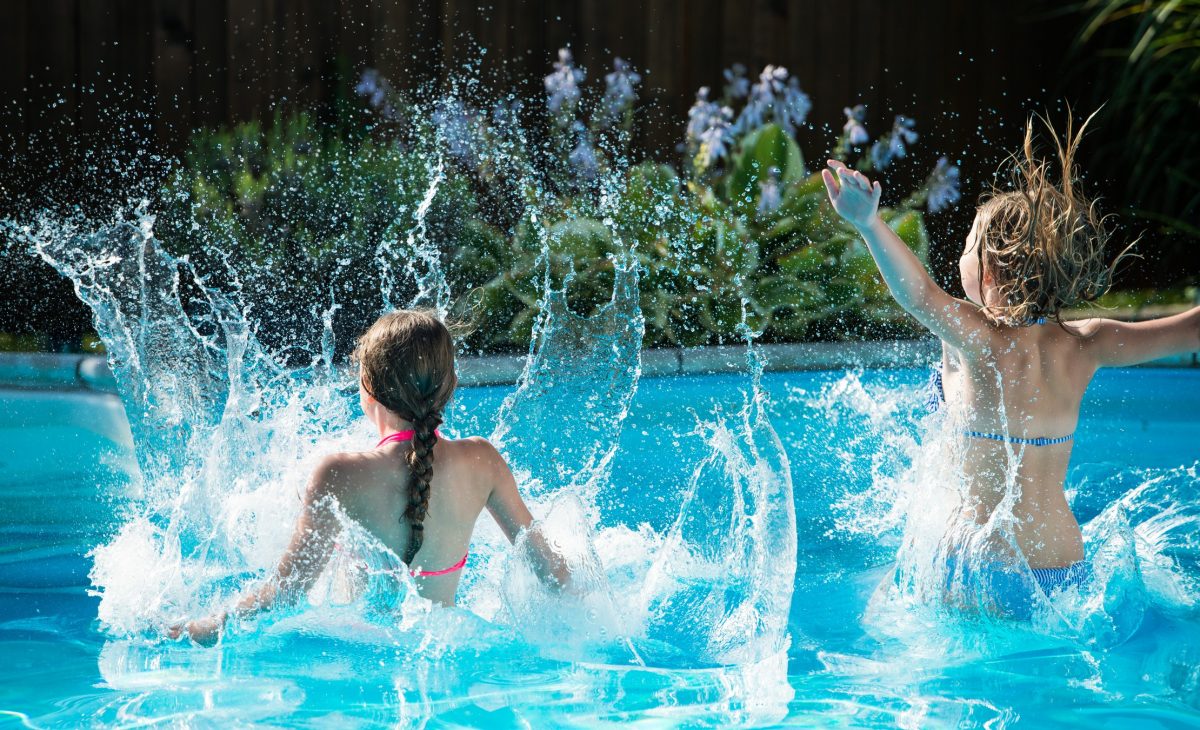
{"x":937,"y":396}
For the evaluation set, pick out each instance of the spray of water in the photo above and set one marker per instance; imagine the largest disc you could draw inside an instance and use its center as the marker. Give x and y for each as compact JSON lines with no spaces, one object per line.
{"x":226,"y":432}
{"x":1140,"y":546}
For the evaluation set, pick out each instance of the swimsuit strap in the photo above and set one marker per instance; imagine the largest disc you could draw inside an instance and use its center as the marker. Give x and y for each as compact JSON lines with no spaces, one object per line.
{"x":1038,"y":441}
{"x":401,"y":436}
{"x":937,"y":396}
{"x":338,"y":547}
{"x":937,"y":393}
{"x":445,"y":571}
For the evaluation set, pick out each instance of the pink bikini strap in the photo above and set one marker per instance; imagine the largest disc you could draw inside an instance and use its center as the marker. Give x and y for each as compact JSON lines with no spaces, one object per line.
{"x":433,"y":573}
{"x":401,"y":436}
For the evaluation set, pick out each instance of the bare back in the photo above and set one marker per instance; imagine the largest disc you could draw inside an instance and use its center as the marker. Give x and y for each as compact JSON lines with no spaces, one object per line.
{"x":1027,"y":383}
{"x":468,"y":475}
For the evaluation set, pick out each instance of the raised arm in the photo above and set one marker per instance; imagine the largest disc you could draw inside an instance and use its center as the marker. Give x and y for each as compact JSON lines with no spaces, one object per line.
{"x":1129,"y":343}
{"x":856,"y":199}
{"x":511,"y":514}
{"x":307,"y":553}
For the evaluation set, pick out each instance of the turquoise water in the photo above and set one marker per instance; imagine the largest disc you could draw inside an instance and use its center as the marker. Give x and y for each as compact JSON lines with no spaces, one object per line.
{"x":850,"y":438}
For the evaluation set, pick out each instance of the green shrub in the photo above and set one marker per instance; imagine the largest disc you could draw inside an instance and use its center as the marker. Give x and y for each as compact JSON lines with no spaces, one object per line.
{"x":293,"y":216}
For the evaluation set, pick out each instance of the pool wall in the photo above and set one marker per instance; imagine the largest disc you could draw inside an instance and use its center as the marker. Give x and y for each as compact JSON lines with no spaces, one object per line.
{"x":90,"y":372}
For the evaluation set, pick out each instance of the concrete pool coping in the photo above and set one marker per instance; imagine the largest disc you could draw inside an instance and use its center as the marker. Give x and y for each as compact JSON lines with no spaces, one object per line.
{"x":65,"y":372}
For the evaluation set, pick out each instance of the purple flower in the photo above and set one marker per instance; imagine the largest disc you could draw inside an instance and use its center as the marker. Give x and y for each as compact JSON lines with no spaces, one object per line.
{"x":708,"y":129}
{"x":942,"y":186}
{"x":619,"y":93}
{"x":769,"y":195}
{"x":737,"y":86}
{"x":775,"y":94}
{"x":793,"y":109}
{"x":894,"y":145}
{"x":583,"y":156}
{"x":562,"y":86}
{"x":507,"y":112}
{"x":854,"y":130}
{"x":761,"y":99}
{"x":456,"y":125}
{"x":373,"y":87}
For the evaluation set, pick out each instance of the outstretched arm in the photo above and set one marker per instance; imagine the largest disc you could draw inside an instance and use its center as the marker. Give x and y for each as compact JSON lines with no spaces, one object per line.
{"x":307,"y":553}
{"x":856,"y":199}
{"x":1129,"y":343}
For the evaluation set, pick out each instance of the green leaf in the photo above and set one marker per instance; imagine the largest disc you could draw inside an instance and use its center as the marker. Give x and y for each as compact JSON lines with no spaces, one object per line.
{"x":767,"y":147}
{"x":910,"y":227}
{"x":779,"y":292}
{"x":582,"y":237}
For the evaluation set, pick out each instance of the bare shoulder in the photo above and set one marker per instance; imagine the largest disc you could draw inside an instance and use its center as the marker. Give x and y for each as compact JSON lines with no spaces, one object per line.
{"x":476,"y":452}
{"x":338,"y":473}
{"x":1088,"y":328}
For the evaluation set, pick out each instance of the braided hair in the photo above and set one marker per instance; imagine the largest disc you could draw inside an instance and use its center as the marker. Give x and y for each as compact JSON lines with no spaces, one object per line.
{"x":407,"y":362}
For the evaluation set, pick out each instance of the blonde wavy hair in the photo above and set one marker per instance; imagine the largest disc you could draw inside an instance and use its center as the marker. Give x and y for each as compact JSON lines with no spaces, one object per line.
{"x":1043,"y":242}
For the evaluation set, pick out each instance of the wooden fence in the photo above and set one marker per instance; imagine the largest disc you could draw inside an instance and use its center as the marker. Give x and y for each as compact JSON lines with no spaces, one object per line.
{"x":956,"y":66}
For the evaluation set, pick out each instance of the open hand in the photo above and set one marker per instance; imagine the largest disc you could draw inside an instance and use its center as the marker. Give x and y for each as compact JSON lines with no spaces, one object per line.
{"x":854,"y":197}
{"x":204,"y":631}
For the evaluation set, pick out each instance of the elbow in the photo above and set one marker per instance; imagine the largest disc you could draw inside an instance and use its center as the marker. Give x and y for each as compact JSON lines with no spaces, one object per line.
{"x":912,"y":297}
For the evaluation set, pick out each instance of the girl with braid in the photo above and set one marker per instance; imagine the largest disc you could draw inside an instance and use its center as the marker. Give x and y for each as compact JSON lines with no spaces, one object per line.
{"x":422,"y":513}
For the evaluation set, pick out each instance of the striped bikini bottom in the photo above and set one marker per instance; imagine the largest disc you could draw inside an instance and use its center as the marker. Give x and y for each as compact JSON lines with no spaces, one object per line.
{"x":1011,"y":592}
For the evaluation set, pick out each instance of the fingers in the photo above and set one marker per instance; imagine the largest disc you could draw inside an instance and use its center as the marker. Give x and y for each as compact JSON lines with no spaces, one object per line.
{"x":876,"y":192}
{"x":846,"y":176}
{"x":831,"y":185}
{"x":850,"y":179}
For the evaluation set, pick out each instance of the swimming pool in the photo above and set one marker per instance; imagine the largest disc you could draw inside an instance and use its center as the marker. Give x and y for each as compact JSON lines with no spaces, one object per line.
{"x":65,"y":477}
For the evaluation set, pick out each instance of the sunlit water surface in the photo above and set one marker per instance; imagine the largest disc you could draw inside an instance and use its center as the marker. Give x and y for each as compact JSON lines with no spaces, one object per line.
{"x":845,"y":433}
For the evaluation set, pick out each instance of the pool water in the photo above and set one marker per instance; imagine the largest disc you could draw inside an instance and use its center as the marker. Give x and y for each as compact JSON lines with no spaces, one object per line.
{"x":849,"y":437}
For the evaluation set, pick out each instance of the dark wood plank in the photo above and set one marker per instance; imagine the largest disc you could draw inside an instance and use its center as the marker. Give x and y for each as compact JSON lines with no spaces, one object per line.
{"x":868,"y":56}
{"x":527,"y":56}
{"x":300,"y":82}
{"x":829,"y":82}
{"x":210,"y":82}
{"x":173,"y":68}
{"x":561,"y":29}
{"x":768,"y":23}
{"x":52,"y":101}
{"x":407,"y":45}
{"x":14,"y":77}
{"x":103,"y":81}
{"x":703,"y":56}
{"x":248,"y":47}
{"x":135,"y":51}
{"x":355,"y":46}
{"x":737,"y":42}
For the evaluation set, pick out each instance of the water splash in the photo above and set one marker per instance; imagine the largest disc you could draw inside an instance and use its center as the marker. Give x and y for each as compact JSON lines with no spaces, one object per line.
{"x":1140,"y":544}
{"x":227,"y":431}
{"x":561,"y":427}
{"x":726,"y":568}
{"x":432,"y":289}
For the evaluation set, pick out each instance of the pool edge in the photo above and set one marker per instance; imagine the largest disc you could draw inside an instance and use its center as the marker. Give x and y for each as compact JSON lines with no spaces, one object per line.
{"x":44,"y":371}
